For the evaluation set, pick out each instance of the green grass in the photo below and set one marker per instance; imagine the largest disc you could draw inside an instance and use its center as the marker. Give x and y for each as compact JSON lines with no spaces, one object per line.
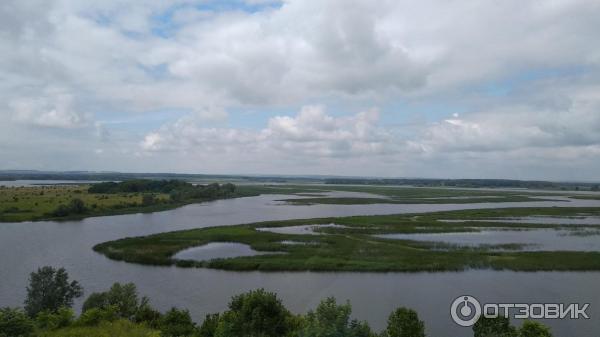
{"x":354,"y":248}
{"x":121,"y":328}
{"x":34,"y":203}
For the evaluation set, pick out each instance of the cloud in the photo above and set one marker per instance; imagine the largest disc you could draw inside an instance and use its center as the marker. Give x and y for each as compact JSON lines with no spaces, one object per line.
{"x":311,"y":133}
{"x":56,"y":110}
{"x":513,"y":85}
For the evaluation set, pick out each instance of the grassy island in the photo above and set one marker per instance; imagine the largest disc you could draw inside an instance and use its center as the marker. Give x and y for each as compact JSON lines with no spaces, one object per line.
{"x":352,"y":246}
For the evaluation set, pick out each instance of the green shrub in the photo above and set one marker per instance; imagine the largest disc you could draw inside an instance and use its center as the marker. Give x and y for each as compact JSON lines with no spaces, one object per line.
{"x":534,"y":329}
{"x":119,"y":328}
{"x":256,"y":313}
{"x":177,"y":323}
{"x":405,"y":323}
{"x":95,"y":316}
{"x":15,"y":323}
{"x":47,"y":320}
{"x":333,"y":320}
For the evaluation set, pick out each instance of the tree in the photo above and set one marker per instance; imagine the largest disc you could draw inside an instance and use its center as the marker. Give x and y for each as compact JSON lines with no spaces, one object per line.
{"x":209,"y":326}
{"x":405,"y":323}
{"x":15,"y":323}
{"x":124,"y":298}
{"x":534,"y":329}
{"x":49,"y":290}
{"x":177,"y":323}
{"x":494,"y":327}
{"x":332,"y":320}
{"x":255,"y":314}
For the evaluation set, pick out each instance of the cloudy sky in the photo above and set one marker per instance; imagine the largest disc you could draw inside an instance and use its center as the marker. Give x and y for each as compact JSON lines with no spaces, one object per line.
{"x":470,"y":89}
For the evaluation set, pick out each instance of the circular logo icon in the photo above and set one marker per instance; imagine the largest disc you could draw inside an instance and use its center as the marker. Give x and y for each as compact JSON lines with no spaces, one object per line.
{"x":465,"y":310}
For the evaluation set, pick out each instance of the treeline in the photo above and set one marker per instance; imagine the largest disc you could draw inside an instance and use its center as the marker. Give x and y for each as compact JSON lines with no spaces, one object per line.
{"x":468,"y":183}
{"x":121,"y":312}
{"x":178,"y":190}
{"x":119,"y":176}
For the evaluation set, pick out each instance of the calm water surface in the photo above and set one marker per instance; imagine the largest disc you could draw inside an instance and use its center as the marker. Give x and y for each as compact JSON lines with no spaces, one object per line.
{"x":532,"y":239}
{"x":26,"y":246}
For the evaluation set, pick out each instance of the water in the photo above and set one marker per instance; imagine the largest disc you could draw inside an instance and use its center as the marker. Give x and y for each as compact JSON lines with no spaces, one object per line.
{"x":541,"y":220}
{"x":26,"y":246}
{"x":299,"y":230}
{"x":218,"y":250}
{"x":531,"y":240}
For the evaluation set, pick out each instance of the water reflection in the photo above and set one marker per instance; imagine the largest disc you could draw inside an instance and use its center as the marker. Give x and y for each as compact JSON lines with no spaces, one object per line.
{"x":218,"y":250}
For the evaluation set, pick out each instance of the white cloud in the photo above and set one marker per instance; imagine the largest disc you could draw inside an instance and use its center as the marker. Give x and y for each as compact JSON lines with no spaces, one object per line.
{"x":65,"y":61}
{"x":311,"y":133}
{"x":54,"y":110}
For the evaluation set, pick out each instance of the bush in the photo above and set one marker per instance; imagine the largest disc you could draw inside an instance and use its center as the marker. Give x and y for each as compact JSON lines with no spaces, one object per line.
{"x":494,"y":327}
{"x":123,"y":298}
{"x":47,"y":320}
{"x":405,"y":323}
{"x":148,"y":315}
{"x":332,"y":320}
{"x":209,"y":326}
{"x":176,"y":323}
{"x":534,"y":329}
{"x":15,"y":323}
{"x":95,"y":316}
{"x":256,"y":313}
{"x":119,"y":328}
{"x":75,"y":206}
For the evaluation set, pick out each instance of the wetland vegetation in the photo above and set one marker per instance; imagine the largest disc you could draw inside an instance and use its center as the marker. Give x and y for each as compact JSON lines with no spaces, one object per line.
{"x":353,"y":246}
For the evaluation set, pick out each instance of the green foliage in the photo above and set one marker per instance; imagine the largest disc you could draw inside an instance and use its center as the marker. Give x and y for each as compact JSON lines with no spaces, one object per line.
{"x":494,"y":327}
{"x":62,"y":318}
{"x":177,"y":189}
{"x":255,"y":314}
{"x":209,"y":325}
{"x":49,"y":290}
{"x":534,"y":329}
{"x":177,"y":323}
{"x":119,"y":328}
{"x":333,"y":320}
{"x":75,"y":206}
{"x":15,"y":323}
{"x":95,"y":316}
{"x":146,"y":314}
{"x":405,"y":323}
{"x":124,"y":298}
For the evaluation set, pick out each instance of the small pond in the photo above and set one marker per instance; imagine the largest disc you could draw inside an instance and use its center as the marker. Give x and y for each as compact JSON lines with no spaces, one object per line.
{"x":218,"y":250}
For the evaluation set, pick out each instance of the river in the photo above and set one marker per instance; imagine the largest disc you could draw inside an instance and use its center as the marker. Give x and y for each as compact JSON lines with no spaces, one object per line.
{"x":26,"y":246}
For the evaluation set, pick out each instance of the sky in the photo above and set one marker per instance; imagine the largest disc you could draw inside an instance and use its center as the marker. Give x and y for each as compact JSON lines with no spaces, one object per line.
{"x":438,"y":89}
